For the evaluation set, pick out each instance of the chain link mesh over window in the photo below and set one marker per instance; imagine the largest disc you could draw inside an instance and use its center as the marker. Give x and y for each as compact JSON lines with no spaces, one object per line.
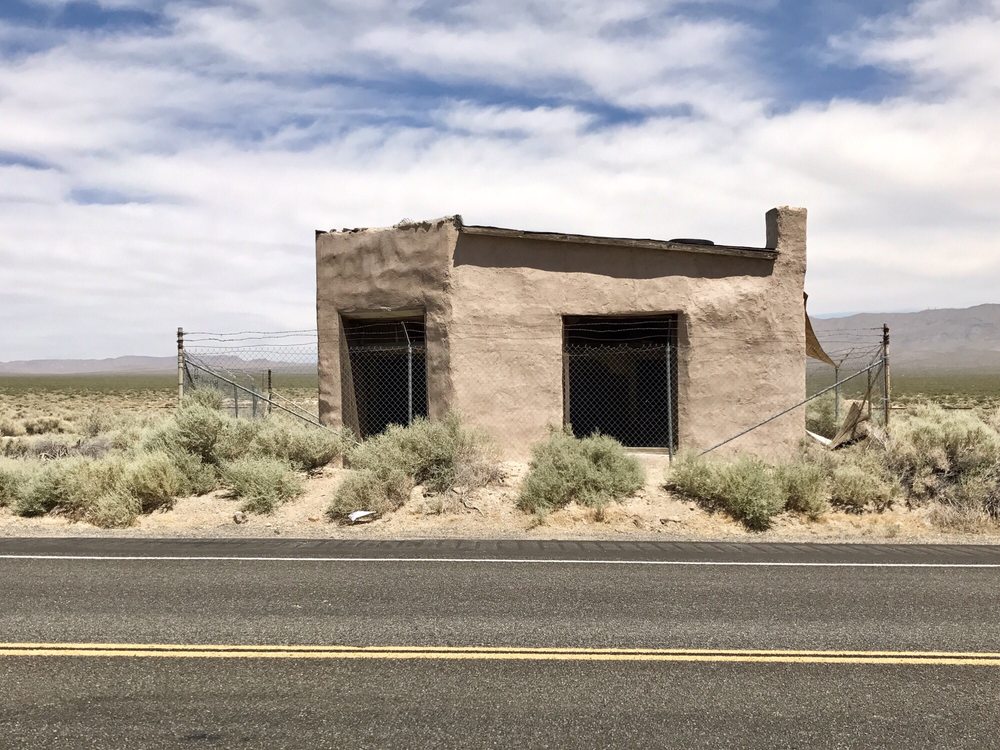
{"x":620,"y":379}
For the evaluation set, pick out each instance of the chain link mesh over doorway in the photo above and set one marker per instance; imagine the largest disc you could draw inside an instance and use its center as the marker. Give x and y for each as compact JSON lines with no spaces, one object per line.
{"x":620,"y":378}
{"x":384,"y":373}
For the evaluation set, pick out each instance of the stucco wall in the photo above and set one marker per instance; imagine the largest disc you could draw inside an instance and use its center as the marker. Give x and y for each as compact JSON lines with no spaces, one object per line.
{"x":380,"y":272}
{"x":494,"y":309}
{"x":741,"y":356}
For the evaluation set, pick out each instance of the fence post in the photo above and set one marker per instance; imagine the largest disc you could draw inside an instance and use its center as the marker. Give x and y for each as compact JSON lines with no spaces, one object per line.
{"x":409,"y":374}
{"x":836,"y":395}
{"x":670,"y":405}
{"x":236,"y":402}
{"x":180,"y":365}
{"x":886,"y":382}
{"x":270,"y":391}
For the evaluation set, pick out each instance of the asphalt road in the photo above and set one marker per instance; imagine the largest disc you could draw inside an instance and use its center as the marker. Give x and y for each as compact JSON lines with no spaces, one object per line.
{"x":283,"y":643}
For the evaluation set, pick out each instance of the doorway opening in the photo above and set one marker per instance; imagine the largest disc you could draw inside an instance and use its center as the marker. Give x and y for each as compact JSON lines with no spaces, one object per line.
{"x":620,"y":378}
{"x":384,"y":372}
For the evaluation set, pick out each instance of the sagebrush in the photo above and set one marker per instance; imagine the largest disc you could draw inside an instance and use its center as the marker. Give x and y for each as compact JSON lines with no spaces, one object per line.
{"x":592,"y":471}
{"x":441,"y":455}
{"x":117,"y":468}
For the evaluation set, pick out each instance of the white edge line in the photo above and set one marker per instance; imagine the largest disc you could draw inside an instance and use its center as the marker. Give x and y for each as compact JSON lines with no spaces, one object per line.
{"x":515,"y":561}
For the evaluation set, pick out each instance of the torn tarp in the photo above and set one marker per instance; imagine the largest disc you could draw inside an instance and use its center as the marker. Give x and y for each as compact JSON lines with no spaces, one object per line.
{"x":813,"y":347}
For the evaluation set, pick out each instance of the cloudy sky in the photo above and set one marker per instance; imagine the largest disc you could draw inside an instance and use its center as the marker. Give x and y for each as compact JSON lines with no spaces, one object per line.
{"x":165,"y":162}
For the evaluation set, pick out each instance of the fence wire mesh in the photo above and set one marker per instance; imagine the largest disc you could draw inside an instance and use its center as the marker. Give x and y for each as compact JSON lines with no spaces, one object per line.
{"x":257,"y":372}
{"x":857,"y":354}
{"x":619,"y":374}
{"x":384,"y":374}
{"x":620,"y":379}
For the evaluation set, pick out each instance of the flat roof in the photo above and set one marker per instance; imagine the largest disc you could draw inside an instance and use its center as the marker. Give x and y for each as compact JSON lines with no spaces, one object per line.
{"x":764,"y":253}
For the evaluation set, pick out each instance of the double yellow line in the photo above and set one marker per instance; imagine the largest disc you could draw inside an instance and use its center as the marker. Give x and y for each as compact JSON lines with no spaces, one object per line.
{"x":489,"y":653}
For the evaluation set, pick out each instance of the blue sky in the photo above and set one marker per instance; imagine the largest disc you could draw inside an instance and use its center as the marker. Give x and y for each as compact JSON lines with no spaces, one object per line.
{"x":165,"y":162}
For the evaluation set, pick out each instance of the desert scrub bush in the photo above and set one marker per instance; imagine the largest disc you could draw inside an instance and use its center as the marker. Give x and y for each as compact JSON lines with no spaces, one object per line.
{"x":592,"y":471}
{"x":980,"y":491}
{"x":14,"y":476}
{"x":94,"y":447}
{"x":130,"y":435}
{"x":364,"y":489}
{"x":116,"y":509}
{"x":236,"y":439}
{"x":96,"y":422}
{"x":859,"y":484}
{"x":44,"y":425}
{"x":304,"y":446}
{"x":932,"y":450}
{"x":441,"y":455}
{"x":199,"y":477}
{"x":69,"y":485}
{"x":11,"y":428}
{"x":748,"y":489}
{"x":154,"y":480}
{"x":196,"y":429}
{"x":973,"y":507}
{"x":13,"y":448}
{"x":210,"y":398}
{"x":804,"y":486}
{"x":49,"y":447}
{"x":693,"y":477}
{"x":261,"y":483}
{"x":821,"y":416}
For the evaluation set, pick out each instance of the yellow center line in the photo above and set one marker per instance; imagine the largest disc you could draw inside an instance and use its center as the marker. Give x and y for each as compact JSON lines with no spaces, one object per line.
{"x":498,"y":653}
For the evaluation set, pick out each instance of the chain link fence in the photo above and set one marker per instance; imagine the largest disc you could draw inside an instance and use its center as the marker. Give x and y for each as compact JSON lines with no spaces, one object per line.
{"x":857,"y":374}
{"x":257,"y":372}
{"x":619,"y":375}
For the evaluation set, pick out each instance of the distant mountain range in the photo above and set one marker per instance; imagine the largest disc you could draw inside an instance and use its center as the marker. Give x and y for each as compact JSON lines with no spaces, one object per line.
{"x":115,"y":365}
{"x":966,"y":339}
{"x":141,"y":366}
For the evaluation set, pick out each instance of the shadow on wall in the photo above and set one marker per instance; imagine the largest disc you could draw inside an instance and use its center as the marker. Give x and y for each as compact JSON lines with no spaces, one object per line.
{"x":614,"y":262}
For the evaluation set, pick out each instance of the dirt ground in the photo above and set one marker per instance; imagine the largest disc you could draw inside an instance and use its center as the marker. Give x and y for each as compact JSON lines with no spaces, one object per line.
{"x":653,"y":514}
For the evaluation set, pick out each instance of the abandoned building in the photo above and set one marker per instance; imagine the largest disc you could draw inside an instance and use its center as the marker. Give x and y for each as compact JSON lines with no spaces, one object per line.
{"x":662,"y":344}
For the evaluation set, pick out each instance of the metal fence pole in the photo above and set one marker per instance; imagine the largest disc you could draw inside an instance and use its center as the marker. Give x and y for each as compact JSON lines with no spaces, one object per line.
{"x":236,"y":402}
{"x":670,"y":404}
{"x":836,"y":395}
{"x":409,"y":374}
{"x":886,"y":382}
{"x":180,"y":365}
{"x":270,"y":391}
{"x":869,"y":392}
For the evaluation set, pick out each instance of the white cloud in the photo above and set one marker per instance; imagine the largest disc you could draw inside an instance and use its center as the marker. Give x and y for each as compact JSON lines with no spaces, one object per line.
{"x":234,"y":144}
{"x":947,"y":46}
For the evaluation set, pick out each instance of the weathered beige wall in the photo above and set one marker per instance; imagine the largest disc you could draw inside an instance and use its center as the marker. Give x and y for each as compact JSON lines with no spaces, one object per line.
{"x":381,"y":272}
{"x":742,"y":331}
{"x":494,"y":323}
